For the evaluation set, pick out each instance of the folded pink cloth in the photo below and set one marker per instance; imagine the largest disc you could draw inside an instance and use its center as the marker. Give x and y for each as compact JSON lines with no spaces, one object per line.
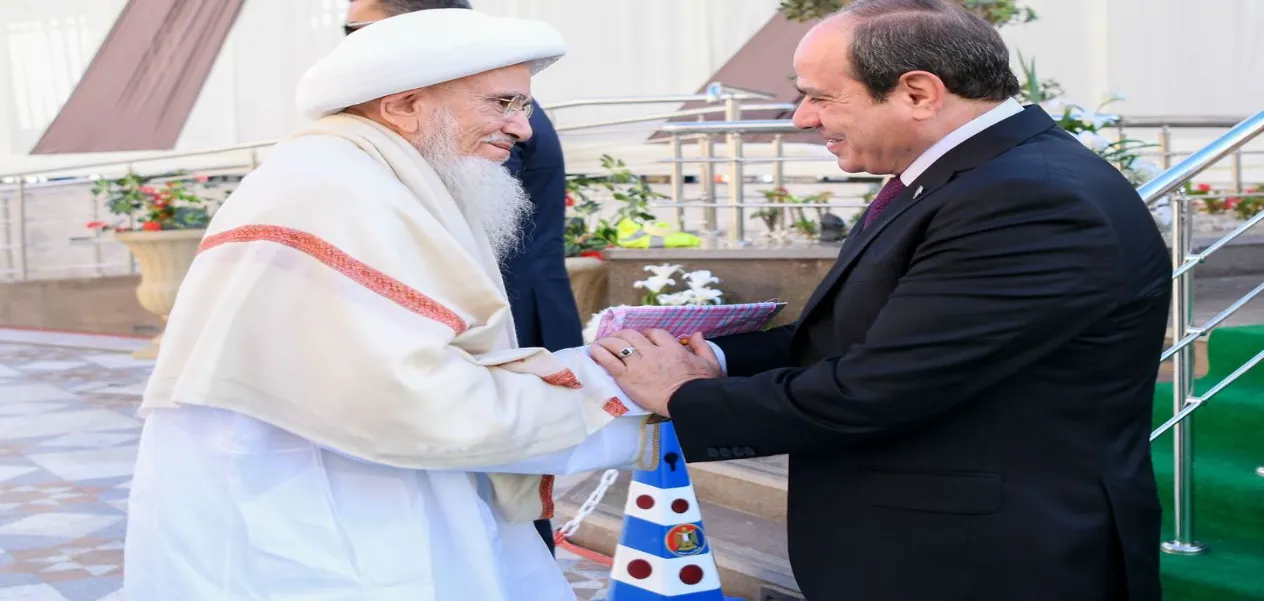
{"x":686,"y":320}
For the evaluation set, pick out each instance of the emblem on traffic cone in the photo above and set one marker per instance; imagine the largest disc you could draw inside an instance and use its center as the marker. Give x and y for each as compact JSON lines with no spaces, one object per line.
{"x":663,"y":551}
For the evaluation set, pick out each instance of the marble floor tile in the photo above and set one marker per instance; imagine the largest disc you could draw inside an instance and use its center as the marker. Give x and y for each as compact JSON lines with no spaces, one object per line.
{"x":59,"y":525}
{"x":9,"y":472}
{"x":9,"y":372}
{"x":38,"y":366}
{"x":64,"y":422}
{"x":117,"y":361}
{"x":30,"y":408}
{"x":90,"y":440}
{"x":35,"y":592}
{"x":20,"y":392}
{"x":91,"y":464}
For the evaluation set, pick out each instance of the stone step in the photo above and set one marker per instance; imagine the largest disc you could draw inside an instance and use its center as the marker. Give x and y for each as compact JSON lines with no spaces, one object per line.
{"x":753,"y":486}
{"x":749,"y":550}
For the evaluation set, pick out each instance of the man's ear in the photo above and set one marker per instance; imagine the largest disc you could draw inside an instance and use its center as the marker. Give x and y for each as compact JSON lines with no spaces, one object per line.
{"x":402,"y":110}
{"x":923,"y":92}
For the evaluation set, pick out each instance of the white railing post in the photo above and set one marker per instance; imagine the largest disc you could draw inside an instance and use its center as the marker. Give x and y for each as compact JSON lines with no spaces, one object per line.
{"x":706,"y":152}
{"x":21,"y":219}
{"x":737,"y":224}
{"x":1182,"y":542}
{"x":678,"y":181}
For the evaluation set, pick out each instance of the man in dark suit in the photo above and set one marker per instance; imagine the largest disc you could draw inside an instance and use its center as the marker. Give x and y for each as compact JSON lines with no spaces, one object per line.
{"x":966,"y":397}
{"x":544,"y":309}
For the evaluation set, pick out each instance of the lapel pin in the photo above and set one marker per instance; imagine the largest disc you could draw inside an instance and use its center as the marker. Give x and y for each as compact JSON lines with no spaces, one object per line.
{"x":918,"y":192}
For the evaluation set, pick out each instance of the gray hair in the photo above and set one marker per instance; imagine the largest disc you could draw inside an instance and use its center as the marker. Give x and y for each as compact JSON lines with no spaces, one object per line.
{"x":894,"y":37}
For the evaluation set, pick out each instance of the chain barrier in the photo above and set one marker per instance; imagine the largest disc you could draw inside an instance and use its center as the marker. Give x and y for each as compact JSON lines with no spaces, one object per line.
{"x":569,"y":528}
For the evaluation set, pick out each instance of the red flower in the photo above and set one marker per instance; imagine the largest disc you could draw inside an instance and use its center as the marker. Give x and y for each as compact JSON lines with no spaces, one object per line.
{"x":1204,"y":187}
{"x":96,"y":225}
{"x":202,"y":179}
{"x":1231,"y":201}
{"x":596,"y":254}
{"x":151,"y":226}
{"x":570,"y":200}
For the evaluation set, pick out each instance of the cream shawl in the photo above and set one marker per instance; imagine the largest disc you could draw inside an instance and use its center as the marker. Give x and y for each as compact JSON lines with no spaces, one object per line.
{"x":341,"y":294}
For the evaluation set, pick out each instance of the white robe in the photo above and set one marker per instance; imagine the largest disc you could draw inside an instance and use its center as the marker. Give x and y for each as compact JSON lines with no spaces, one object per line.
{"x":227,"y":507}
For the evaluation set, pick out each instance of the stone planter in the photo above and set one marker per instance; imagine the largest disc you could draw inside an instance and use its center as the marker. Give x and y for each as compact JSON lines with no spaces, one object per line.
{"x":588,"y":284}
{"x":164,"y":258}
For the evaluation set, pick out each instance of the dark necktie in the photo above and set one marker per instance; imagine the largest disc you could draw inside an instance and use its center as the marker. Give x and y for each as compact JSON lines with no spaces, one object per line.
{"x":887,"y":194}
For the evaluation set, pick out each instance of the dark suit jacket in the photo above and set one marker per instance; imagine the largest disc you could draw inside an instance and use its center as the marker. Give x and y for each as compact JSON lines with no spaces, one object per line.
{"x":540,"y":297}
{"x":966,"y":399}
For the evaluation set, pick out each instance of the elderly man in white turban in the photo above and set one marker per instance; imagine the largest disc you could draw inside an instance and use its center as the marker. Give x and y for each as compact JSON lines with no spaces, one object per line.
{"x":338,"y":410}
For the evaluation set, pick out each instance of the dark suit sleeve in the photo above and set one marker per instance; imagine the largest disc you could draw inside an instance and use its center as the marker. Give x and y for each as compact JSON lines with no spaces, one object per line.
{"x":1003,"y":278}
{"x":749,"y":354}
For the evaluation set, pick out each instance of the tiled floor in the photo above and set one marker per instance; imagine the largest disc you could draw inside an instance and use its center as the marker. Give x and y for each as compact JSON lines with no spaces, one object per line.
{"x":68,"y":436}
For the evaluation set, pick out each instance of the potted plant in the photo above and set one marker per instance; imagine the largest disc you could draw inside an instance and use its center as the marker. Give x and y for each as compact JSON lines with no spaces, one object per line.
{"x":162,"y":225}
{"x":587,"y":235}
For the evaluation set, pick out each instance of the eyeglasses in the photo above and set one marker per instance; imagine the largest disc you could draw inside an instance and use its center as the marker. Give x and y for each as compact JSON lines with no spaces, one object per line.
{"x":513,"y":105}
{"x":352,"y":26}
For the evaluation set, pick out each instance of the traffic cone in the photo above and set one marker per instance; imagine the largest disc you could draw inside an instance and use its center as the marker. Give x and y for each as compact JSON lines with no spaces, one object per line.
{"x":663,"y":551}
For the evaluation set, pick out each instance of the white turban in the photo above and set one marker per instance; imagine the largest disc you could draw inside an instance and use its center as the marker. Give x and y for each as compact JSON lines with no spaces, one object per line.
{"x":420,"y":49}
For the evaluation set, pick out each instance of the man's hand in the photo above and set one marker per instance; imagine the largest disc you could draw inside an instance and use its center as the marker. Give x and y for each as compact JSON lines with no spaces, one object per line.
{"x":650,"y":367}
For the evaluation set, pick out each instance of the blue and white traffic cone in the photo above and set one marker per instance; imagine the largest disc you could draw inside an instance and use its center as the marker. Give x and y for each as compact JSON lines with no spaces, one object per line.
{"x":663,"y":551}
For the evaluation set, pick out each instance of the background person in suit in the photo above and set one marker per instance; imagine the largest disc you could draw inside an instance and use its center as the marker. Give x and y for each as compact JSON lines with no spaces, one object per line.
{"x":544,"y":309}
{"x":966,"y":398}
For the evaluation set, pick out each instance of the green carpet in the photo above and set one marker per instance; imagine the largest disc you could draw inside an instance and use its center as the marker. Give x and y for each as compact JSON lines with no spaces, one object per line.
{"x":1228,"y":495}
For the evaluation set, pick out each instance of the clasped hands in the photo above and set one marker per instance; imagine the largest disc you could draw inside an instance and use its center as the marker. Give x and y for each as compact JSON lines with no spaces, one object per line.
{"x":650,"y":366}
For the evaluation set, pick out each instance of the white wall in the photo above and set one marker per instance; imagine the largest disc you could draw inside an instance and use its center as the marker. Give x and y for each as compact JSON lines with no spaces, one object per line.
{"x":45,"y":46}
{"x":1167,"y":57}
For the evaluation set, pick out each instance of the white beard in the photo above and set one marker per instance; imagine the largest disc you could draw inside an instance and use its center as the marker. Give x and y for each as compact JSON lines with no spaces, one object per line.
{"x":489,"y":196}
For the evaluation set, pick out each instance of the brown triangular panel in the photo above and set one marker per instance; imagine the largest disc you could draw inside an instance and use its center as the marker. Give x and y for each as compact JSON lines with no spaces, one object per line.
{"x":763,"y":64}
{"x":145,"y":78}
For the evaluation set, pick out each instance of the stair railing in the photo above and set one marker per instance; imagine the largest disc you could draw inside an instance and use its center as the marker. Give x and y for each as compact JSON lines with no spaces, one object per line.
{"x":1184,"y":402}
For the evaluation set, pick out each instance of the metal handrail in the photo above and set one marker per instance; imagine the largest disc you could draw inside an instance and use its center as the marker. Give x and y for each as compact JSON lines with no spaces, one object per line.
{"x":1186,"y":121}
{"x":1245,"y":131}
{"x":681,"y":113}
{"x":1184,"y":402}
{"x":715,"y":93}
{"x":144,"y":159}
{"x":723,"y":94}
{"x":753,"y":126}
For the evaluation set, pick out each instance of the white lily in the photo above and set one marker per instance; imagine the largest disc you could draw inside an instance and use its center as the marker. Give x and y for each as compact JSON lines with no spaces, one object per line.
{"x":706,"y":296}
{"x":676,"y":298}
{"x":662,"y":271}
{"x":699,"y":279}
{"x":654,"y":284}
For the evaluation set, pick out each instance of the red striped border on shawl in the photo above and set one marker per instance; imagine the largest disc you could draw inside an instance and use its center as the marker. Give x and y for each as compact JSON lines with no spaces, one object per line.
{"x":546,"y":497}
{"x":359,"y":272}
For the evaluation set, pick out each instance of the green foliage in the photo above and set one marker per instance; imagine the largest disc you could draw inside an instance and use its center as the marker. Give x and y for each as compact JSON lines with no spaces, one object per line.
{"x":996,"y":12}
{"x":800,"y":222}
{"x":1036,"y":90}
{"x":584,"y":232}
{"x":173,"y":205}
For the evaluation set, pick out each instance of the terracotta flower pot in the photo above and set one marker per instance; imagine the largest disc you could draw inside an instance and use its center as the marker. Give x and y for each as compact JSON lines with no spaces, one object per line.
{"x":164,"y":258}
{"x":588,"y":284}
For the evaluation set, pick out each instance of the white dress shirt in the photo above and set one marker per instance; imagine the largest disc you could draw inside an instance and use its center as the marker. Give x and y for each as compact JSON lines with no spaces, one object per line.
{"x":1005,"y":110}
